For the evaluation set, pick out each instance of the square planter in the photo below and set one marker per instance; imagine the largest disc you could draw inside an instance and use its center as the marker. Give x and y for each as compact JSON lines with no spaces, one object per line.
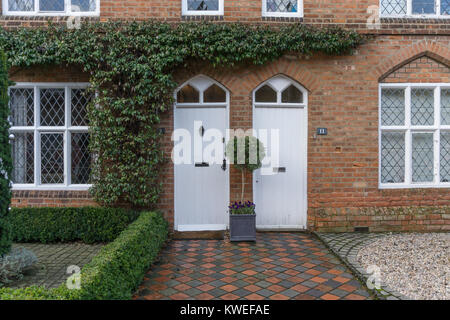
{"x":243,"y":227}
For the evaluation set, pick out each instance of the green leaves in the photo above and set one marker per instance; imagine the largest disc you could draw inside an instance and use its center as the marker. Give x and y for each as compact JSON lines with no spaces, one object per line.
{"x":5,"y":159}
{"x":131,"y":67}
{"x":88,"y":224}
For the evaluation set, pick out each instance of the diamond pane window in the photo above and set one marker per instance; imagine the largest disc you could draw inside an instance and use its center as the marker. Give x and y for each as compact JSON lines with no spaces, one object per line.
{"x":203,"y":5}
{"x":393,"y":157}
{"x":51,"y":5}
{"x":61,"y":157}
{"x":422,"y":107}
{"x":392,"y":107}
{"x":266,"y":94}
{"x":393,"y":7}
{"x":445,"y":157}
{"x":21,"y":103}
{"x":52,"y":158}
{"x":80,"y":99}
{"x":81,"y":158}
{"x":83,"y":5}
{"x":282,"y":6}
{"x":188,"y":94}
{"x":21,"y":5}
{"x":52,"y":107}
{"x":22,"y":151}
{"x":445,"y":106}
{"x":292,"y":95}
{"x":422,"y":157}
{"x":445,"y":7}
{"x":423,"y":7}
{"x":214,"y":94}
{"x":425,"y":142}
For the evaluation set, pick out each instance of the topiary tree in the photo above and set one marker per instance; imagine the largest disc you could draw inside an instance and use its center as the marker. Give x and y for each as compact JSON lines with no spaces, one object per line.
{"x":5,"y":158}
{"x":246,"y":153}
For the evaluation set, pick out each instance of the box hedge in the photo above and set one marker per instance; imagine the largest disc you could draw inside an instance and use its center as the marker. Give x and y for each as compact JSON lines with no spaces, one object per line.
{"x":88,"y":224}
{"x":115,"y":272}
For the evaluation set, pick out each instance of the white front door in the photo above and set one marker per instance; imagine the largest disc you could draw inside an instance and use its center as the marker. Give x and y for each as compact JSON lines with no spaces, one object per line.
{"x":201,"y":185}
{"x":280,"y":188}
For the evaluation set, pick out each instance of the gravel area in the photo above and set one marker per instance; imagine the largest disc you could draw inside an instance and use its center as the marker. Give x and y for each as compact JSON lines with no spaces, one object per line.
{"x":415,"y":264}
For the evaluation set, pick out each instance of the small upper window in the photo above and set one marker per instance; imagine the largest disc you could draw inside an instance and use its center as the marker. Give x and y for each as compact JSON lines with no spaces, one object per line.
{"x":201,"y":91}
{"x":280,"y":91}
{"x":202,"y":7}
{"x":51,"y":7}
{"x":415,"y":8}
{"x":282,"y":8}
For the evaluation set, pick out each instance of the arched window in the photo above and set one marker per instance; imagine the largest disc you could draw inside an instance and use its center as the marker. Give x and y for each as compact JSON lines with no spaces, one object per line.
{"x":280,"y":91}
{"x":201,"y":91}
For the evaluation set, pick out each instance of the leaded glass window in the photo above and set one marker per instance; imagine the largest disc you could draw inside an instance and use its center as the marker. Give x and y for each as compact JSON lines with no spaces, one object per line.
{"x":282,"y":7}
{"x":414,"y":144}
{"x":49,"y":135}
{"x":399,"y":8}
{"x":202,"y":7}
{"x":51,"y":7}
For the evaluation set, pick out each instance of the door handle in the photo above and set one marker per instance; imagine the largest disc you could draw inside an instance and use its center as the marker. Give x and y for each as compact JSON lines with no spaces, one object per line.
{"x":224,"y":165}
{"x":279,"y":169}
{"x":202,"y":164}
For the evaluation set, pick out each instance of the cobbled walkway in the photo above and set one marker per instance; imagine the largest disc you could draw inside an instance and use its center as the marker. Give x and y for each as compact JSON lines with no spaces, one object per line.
{"x":53,"y":261}
{"x":346,"y":246}
{"x":277,"y":266}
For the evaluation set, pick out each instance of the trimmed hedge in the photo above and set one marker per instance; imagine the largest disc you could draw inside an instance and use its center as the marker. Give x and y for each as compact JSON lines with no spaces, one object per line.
{"x":88,"y":224}
{"x":116,"y":271}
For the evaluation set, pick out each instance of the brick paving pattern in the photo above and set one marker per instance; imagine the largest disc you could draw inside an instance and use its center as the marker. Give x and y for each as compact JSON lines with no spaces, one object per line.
{"x":277,"y":266}
{"x":53,"y":260}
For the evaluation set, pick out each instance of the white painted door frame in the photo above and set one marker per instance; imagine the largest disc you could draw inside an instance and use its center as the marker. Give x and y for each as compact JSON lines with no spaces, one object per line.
{"x":303,"y":122}
{"x":199,"y":83}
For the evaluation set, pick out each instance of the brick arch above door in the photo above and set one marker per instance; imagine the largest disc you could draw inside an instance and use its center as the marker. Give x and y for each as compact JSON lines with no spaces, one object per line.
{"x":291,"y":68}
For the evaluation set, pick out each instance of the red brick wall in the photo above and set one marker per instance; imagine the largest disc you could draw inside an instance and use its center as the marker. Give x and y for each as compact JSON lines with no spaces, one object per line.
{"x":343,"y":97}
{"x":353,"y":14}
{"x":420,"y":70}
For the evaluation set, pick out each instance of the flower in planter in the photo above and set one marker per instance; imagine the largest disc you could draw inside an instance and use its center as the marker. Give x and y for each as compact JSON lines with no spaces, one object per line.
{"x":247,"y":207}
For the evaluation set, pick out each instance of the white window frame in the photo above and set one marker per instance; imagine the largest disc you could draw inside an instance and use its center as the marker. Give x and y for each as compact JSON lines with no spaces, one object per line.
{"x":409,"y":13}
{"x":186,"y":12}
{"x":67,"y":12}
{"x":408,"y":129}
{"x":66,"y":130}
{"x":280,"y":83}
{"x":298,"y":14}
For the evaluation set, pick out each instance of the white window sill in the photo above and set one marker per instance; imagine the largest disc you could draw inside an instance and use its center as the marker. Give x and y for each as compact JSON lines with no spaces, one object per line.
{"x":54,"y":187}
{"x":203,"y":13}
{"x":416,"y":16}
{"x":52,"y":14}
{"x":282,"y":14}
{"x":413,"y":186}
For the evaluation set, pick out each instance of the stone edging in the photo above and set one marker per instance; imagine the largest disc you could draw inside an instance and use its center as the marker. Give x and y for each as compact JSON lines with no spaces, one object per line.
{"x":350,"y":260}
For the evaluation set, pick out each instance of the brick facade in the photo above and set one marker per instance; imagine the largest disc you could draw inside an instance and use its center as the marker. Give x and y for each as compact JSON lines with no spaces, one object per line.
{"x":343,"y":97}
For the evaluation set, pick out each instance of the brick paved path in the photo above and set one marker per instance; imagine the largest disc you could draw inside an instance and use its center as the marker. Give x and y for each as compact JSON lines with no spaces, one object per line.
{"x":53,"y":260}
{"x":277,"y":266}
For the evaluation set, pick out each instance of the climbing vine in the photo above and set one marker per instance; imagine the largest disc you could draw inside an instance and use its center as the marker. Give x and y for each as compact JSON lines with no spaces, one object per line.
{"x":5,"y":159}
{"x":130,"y":67}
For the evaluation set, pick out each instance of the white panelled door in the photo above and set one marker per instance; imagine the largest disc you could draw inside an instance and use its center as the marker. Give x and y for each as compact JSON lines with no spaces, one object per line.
{"x":201,"y":185}
{"x":280,"y":188}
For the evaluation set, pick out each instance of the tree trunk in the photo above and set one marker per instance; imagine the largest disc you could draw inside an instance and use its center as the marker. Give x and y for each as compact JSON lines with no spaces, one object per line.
{"x":243,"y":185}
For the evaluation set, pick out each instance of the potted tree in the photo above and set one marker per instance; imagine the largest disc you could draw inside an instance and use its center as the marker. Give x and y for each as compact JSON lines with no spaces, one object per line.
{"x":246,"y":154}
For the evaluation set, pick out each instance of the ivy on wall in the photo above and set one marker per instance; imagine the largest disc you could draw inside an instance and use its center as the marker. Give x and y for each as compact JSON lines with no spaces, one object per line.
{"x":131,"y":66}
{"x":5,"y":159}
